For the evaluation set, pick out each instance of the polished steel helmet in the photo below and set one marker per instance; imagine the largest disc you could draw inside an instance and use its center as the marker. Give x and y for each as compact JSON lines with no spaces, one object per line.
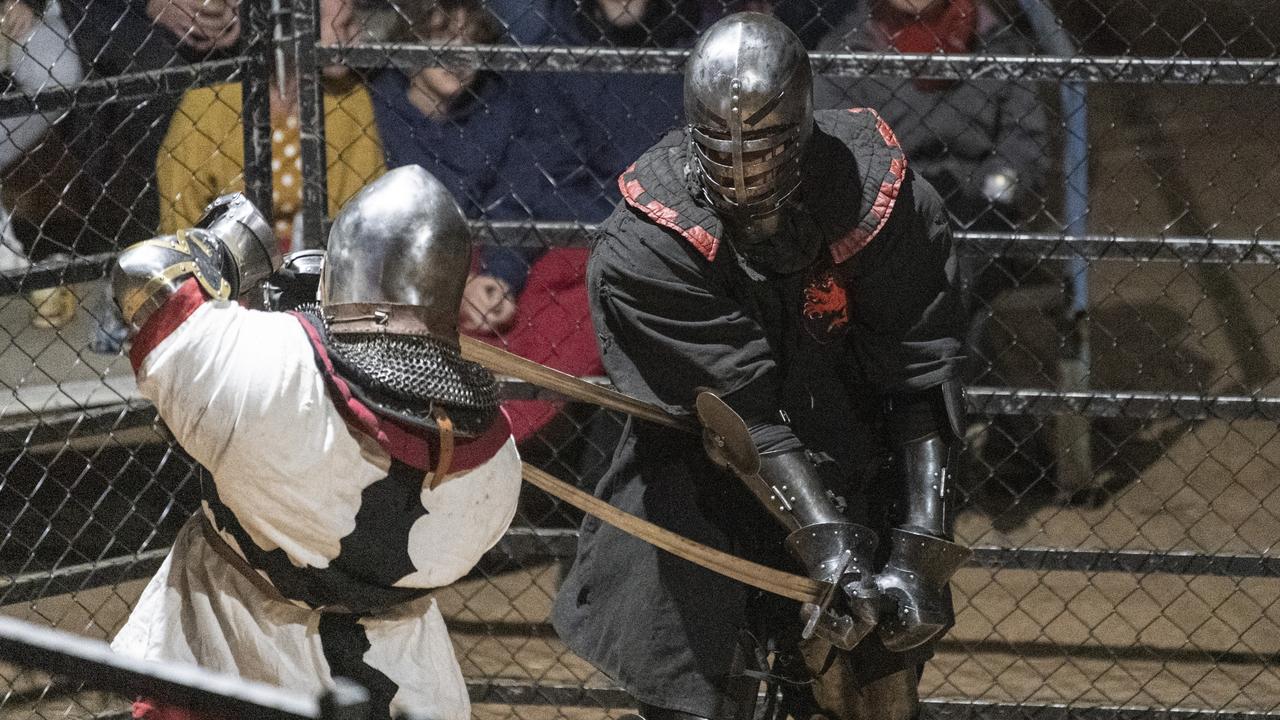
{"x":397,"y":261}
{"x":748,"y":97}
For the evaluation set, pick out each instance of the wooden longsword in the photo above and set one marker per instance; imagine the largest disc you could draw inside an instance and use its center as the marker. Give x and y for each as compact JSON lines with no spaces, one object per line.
{"x":784,"y":584}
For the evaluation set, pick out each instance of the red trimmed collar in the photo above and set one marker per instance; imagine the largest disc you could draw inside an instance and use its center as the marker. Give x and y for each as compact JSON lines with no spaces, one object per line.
{"x":857,"y":127}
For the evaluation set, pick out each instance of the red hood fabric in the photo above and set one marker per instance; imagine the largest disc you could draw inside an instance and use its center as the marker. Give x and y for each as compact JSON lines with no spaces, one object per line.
{"x":146,"y":709}
{"x":947,"y":29}
{"x":553,"y":327}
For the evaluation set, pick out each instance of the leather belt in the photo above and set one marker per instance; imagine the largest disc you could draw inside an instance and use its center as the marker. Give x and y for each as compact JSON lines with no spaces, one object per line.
{"x":242,"y":566}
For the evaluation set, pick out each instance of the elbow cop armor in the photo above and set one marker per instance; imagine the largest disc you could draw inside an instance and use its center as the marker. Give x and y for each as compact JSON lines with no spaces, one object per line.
{"x":229,"y":251}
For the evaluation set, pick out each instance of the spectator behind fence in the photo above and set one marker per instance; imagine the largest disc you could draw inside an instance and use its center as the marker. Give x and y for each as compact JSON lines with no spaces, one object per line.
{"x":117,"y":142}
{"x":113,"y":196}
{"x":619,"y":115}
{"x":202,"y":155}
{"x":810,"y":20}
{"x":36,"y":54}
{"x":500,"y":144}
{"x":981,"y":143}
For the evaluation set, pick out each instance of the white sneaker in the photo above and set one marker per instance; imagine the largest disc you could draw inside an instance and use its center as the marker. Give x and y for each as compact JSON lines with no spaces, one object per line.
{"x":54,"y":306}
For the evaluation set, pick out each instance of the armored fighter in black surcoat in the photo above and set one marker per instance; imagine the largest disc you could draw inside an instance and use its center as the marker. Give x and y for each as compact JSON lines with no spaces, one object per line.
{"x":785,"y":273}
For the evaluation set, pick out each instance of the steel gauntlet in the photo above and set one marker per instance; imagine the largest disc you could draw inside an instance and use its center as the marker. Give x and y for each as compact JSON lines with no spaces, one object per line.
{"x":831,"y":549}
{"x":229,"y":252}
{"x":921,"y":560}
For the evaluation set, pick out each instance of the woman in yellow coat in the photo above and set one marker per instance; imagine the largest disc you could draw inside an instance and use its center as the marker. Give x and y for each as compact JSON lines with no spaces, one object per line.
{"x":202,"y":156}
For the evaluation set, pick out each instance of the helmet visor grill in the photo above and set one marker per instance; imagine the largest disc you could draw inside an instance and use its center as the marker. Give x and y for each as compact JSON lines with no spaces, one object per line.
{"x":766,"y":178}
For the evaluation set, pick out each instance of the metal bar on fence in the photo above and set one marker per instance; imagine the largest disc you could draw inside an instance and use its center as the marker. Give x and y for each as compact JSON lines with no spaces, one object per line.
{"x":1125,"y":561}
{"x":93,"y":663}
{"x":1093,"y":69}
{"x":1115,"y":247}
{"x":1073,"y":455}
{"x":32,"y":586}
{"x":315,"y":180}
{"x":1136,"y":405}
{"x":27,"y":431}
{"x":257,"y":26}
{"x":121,"y":88}
{"x":976,"y":710}
{"x":526,"y":546}
{"x":51,"y":273}
{"x":525,"y":693}
{"x":985,"y":401}
{"x":1034,"y":246}
{"x":532,"y":544}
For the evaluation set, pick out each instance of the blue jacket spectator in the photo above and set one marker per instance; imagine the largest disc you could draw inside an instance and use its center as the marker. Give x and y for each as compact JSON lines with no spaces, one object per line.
{"x":503,"y":145}
{"x":497,"y":148}
{"x":619,"y":115}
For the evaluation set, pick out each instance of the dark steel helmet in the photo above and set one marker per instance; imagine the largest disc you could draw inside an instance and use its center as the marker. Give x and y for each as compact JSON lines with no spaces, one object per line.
{"x":748,"y":97}
{"x":397,"y":259}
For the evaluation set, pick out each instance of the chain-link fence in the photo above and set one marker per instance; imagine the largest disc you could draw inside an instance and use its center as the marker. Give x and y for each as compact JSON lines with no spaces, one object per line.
{"x":1109,"y":165}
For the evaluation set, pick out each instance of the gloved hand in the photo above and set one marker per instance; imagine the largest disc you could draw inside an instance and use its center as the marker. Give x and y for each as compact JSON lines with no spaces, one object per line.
{"x":913,"y":586}
{"x":839,"y":553}
{"x":248,"y":250}
{"x":296,"y":283}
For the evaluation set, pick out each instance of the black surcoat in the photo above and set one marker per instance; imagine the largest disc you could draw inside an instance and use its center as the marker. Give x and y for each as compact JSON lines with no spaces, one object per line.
{"x":876,"y":314}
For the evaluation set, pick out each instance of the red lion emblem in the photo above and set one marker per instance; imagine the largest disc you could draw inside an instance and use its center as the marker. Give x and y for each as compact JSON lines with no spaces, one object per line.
{"x":825,"y":299}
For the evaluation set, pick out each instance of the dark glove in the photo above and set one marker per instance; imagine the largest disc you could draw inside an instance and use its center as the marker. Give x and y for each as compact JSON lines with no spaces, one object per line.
{"x":840,"y":553}
{"x":296,"y":283}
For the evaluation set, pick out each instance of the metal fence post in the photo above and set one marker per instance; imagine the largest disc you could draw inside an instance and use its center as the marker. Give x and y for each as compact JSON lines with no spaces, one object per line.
{"x":1072,"y":441}
{"x":315,"y":181}
{"x":256,"y":20}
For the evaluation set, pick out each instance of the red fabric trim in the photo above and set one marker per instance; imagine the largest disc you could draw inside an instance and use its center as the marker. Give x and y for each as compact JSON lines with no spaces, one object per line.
{"x":858,"y":238}
{"x":886,"y":132}
{"x":552,"y":327}
{"x":471,"y":454}
{"x":705,"y":243}
{"x":147,"y":709}
{"x":164,"y":321}
{"x":410,"y":445}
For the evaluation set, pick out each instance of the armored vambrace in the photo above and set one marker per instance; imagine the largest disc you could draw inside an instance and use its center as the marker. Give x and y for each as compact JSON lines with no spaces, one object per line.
{"x":830,"y":548}
{"x":921,"y":561}
{"x":229,"y":251}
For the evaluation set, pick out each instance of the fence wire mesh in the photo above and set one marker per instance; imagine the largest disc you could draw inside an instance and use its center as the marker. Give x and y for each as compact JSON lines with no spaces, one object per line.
{"x":1109,"y":165}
